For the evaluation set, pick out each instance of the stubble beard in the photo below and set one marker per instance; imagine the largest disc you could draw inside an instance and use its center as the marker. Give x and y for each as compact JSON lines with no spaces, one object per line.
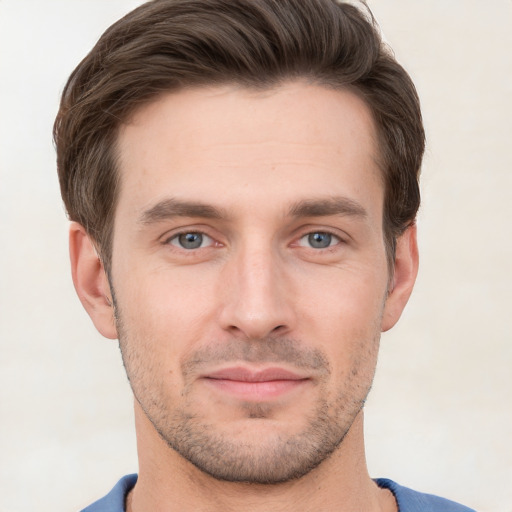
{"x":277,"y":459}
{"x":280,"y":457}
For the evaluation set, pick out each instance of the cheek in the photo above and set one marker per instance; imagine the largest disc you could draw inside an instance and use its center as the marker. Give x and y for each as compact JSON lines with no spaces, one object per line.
{"x":350,"y":298}
{"x":165,"y":310}
{"x":344,"y":315}
{"x":153,"y":336}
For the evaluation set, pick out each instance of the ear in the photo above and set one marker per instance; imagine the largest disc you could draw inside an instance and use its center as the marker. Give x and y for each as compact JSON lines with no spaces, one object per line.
{"x":90,"y":280}
{"x":405,"y":271}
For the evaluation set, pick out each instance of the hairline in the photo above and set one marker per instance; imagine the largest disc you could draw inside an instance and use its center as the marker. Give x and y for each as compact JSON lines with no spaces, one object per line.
{"x":105,"y":245}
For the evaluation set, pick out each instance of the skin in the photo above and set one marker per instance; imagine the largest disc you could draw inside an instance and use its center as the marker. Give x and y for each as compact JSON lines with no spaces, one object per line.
{"x":251,"y":173}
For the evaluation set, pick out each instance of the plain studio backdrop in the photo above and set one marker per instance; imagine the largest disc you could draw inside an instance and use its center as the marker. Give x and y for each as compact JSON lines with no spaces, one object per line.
{"x":439,"y":418}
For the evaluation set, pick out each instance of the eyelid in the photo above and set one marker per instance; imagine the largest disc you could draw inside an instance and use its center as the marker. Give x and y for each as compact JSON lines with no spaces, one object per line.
{"x":213,"y":240}
{"x":173,"y":234}
{"x":183,"y":228}
{"x":207,"y":241}
{"x":338,"y":239}
{"x":308,"y":229}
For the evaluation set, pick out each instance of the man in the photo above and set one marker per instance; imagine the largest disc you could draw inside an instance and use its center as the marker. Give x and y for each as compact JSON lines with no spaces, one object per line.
{"x":242,"y":177}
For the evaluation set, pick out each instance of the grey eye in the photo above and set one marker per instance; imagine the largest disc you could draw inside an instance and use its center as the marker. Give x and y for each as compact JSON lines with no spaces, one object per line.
{"x":190,"y":240}
{"x":319,"y":240}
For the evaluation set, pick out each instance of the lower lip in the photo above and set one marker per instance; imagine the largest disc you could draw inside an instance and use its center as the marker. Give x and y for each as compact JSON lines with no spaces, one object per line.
{"x":256,"y":391}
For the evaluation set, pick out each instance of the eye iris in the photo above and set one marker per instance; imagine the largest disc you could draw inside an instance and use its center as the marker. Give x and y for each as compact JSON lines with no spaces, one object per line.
{"x":319,"y":240}
{"x":190,"y":240}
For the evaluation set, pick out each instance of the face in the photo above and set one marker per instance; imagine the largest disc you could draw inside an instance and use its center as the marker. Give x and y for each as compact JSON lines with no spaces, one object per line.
{"x":249,"y":273}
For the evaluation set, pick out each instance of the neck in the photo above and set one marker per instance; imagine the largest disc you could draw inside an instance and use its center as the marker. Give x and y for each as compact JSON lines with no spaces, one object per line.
{"x":167,"y":482}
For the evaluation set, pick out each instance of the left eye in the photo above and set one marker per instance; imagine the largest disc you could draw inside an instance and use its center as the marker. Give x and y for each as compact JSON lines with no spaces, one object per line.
{"x":319,"y":240}
{"x":191,"y":240}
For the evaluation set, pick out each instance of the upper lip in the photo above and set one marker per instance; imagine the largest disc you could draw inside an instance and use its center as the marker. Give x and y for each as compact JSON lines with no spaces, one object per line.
{"x":243,"y":374}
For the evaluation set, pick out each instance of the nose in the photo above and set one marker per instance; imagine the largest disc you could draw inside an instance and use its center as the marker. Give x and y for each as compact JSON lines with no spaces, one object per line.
{"x":257,"y":300}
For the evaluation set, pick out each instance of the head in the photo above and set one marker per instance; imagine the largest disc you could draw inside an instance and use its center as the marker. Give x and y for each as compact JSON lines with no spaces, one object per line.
{"x":248,"y":173}
{"x":168,"y":46}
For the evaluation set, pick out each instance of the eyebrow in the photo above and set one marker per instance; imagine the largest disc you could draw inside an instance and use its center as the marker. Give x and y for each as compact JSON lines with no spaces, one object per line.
{"x":169,"y":208}
{"x":328,"y":206}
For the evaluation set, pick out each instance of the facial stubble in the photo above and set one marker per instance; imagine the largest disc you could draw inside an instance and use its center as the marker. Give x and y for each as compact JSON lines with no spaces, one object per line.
{"x":226,"y":456}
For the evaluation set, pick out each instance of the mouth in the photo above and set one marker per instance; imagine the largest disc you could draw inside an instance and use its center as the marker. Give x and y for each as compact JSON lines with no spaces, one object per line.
{"x":255,"y":385}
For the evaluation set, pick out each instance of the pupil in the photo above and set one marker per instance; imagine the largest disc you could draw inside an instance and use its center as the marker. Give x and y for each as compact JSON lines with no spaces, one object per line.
{"x":320,"y":240}
{"x":191,"y":240}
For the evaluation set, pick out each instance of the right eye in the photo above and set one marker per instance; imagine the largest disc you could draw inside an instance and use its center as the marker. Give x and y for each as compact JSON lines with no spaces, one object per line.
{"x":191,"y":240}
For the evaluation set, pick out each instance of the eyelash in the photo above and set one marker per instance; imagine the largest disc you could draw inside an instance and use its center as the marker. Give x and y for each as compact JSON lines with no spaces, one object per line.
{"x":176,"y":238}
{"x":332,"y":238}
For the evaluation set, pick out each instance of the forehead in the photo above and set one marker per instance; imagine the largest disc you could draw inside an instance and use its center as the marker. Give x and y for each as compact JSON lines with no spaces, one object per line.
{"x":229,"y":145}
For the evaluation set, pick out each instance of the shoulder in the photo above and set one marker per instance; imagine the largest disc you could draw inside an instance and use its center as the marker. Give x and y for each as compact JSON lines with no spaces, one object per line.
{"x":407,"y":499}
{"x":413,"y":501}
{"x":114,"y":500}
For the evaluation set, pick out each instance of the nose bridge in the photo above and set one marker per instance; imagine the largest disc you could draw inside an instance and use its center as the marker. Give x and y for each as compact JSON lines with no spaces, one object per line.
{"x":256,"y":303}
{"x":259,"y":277}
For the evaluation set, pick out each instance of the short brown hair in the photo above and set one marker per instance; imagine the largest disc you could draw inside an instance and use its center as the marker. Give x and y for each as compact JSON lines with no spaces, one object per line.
{"x":167,"y":45}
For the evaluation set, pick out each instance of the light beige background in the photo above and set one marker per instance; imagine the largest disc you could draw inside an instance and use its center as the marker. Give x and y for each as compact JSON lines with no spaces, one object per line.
{"x":440,"y":416}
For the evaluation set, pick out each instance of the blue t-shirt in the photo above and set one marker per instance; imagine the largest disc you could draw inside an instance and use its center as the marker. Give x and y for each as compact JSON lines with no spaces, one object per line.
{"x":407,"y":499}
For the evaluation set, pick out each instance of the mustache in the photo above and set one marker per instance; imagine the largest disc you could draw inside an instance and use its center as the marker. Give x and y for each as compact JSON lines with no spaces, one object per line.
{"x":269,"y":350}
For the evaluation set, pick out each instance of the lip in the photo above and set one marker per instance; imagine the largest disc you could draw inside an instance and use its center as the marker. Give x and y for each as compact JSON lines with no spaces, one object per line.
{"x":255,"y":385}
{"x":242,"y":374}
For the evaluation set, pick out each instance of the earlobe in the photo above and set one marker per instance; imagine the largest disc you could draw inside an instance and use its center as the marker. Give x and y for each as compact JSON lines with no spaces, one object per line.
{"x":405,"y":271}
{"x":90,"y":280}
